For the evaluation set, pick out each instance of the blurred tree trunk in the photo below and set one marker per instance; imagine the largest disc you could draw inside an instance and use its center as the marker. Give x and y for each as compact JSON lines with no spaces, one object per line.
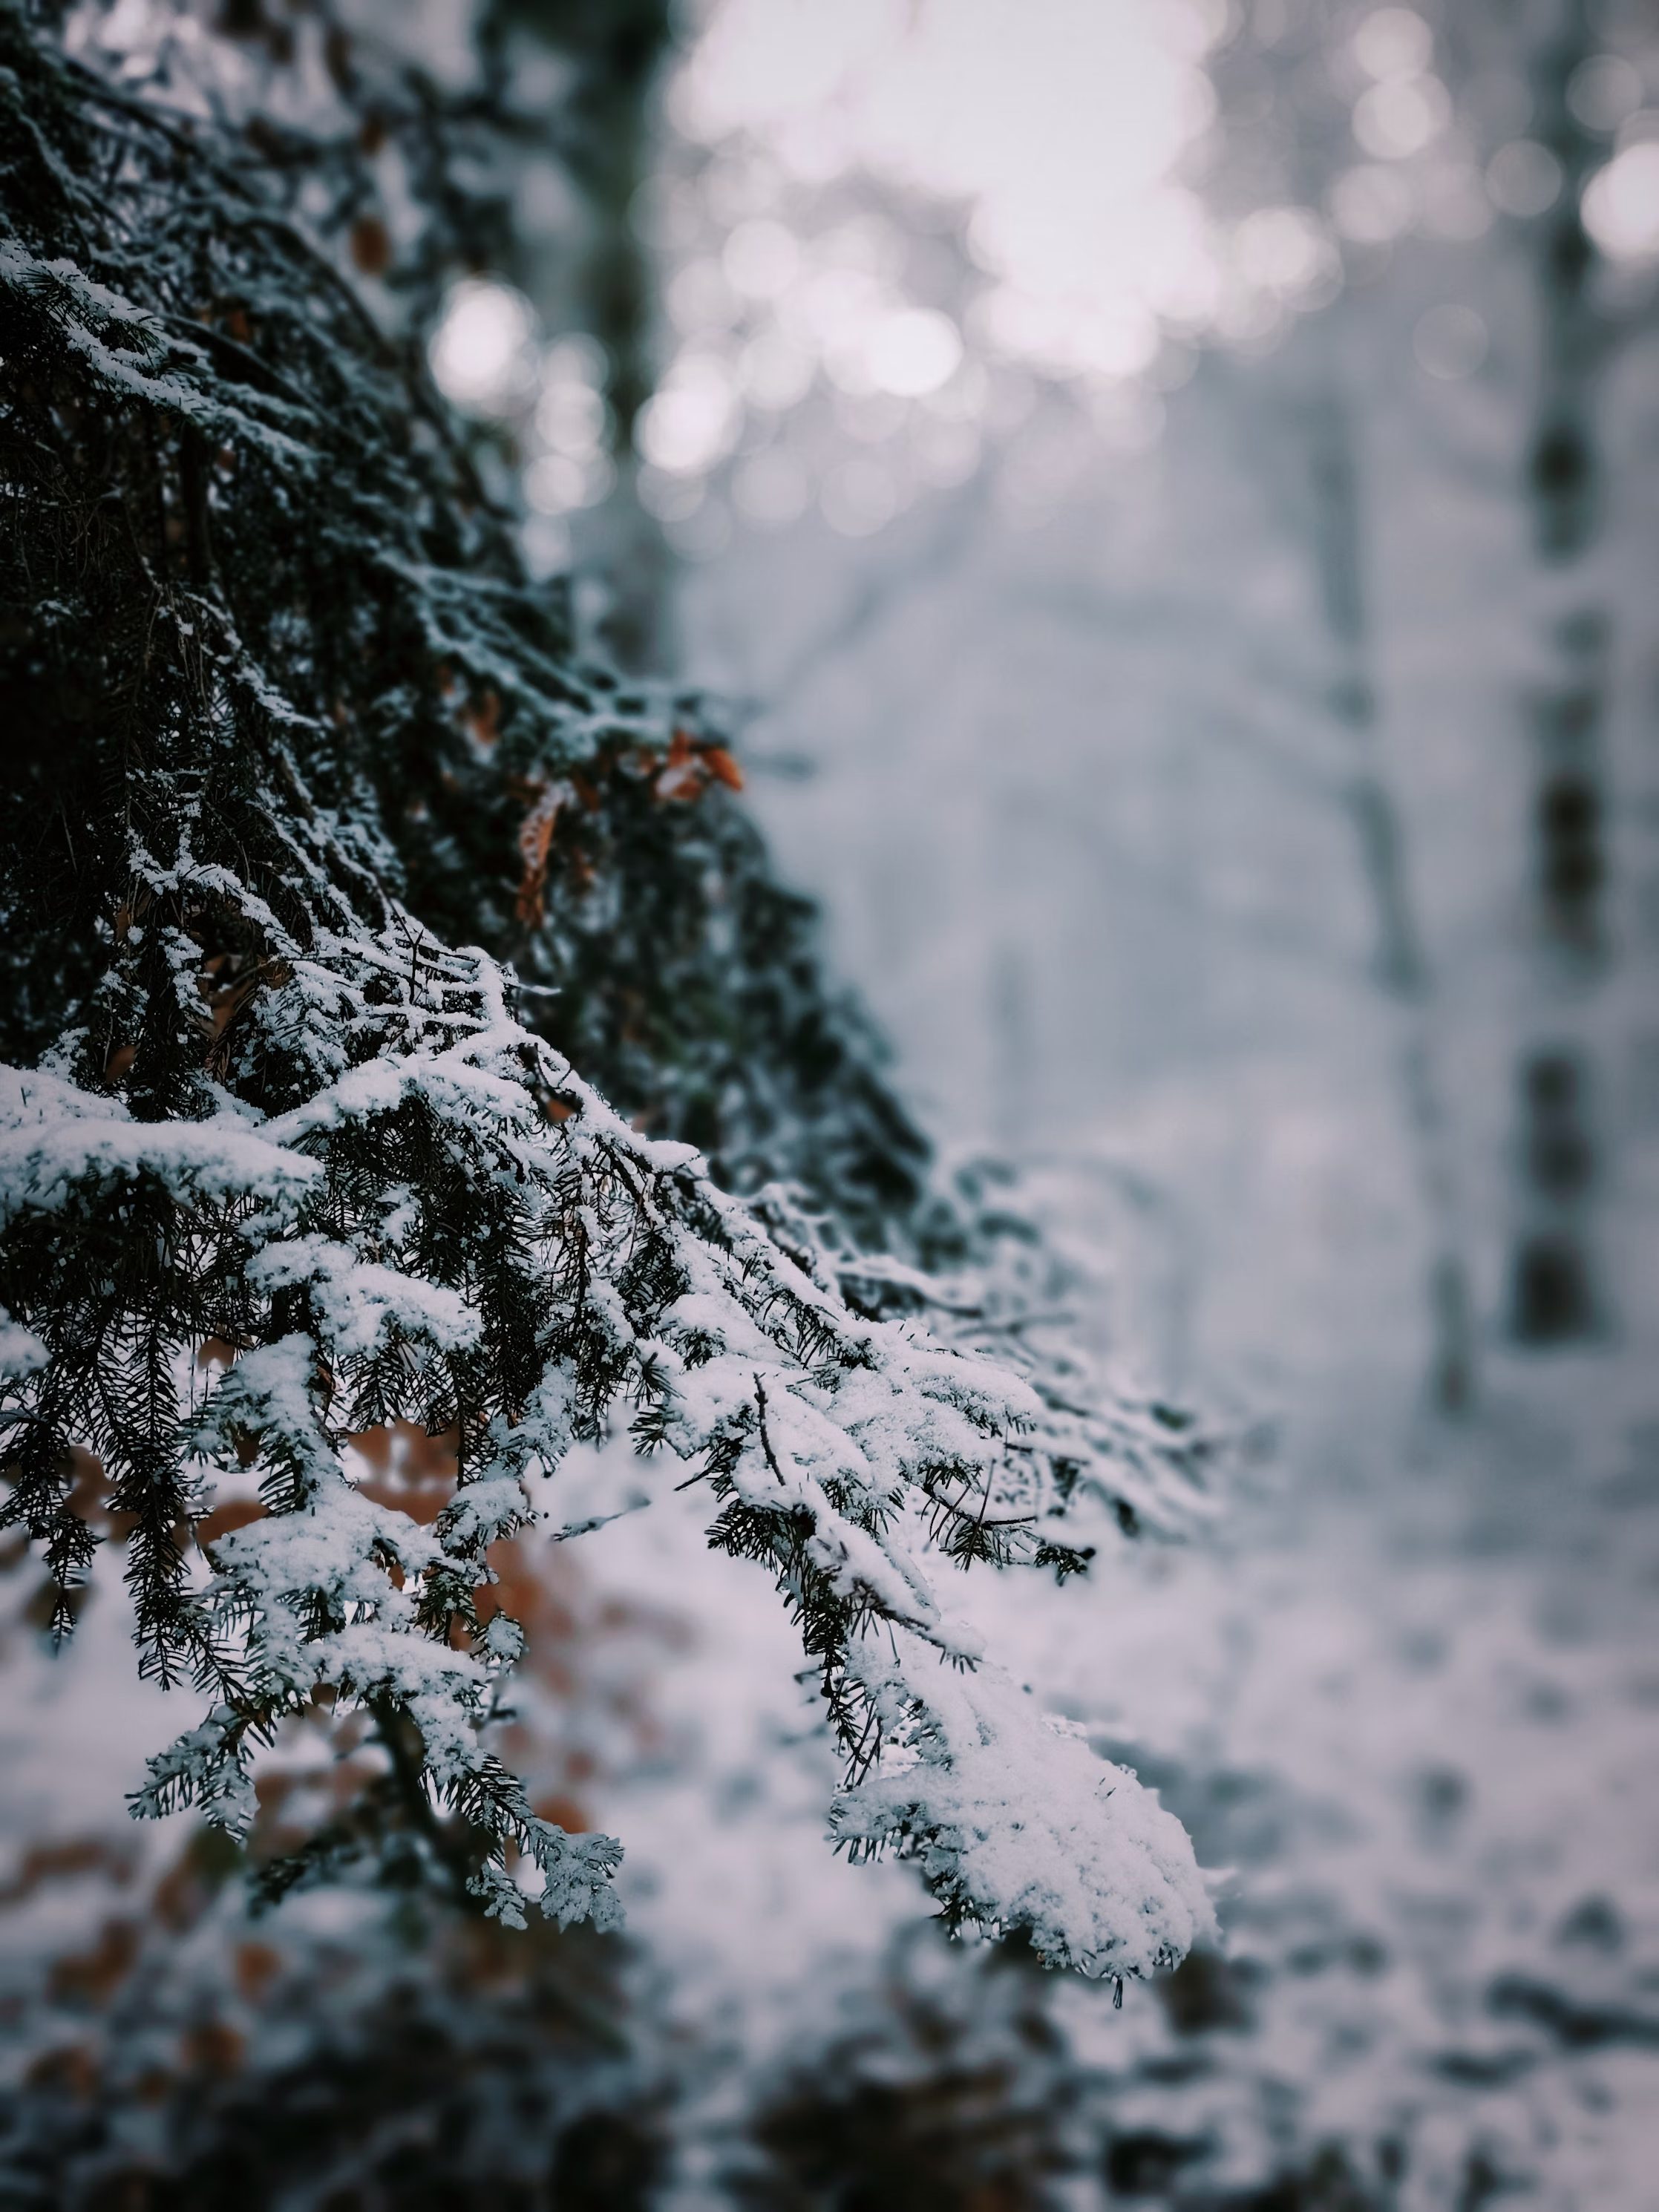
{"x":1554,"y":1296}
{"x":1402,"y":964}
{"x":617,"y":49}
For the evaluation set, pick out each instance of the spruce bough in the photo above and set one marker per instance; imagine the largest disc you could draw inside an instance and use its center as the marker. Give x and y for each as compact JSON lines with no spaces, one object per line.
{"x":278,"y":692}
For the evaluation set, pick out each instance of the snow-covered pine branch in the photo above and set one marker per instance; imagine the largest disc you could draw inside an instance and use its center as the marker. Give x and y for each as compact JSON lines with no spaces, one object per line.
{"x":274,"y":662}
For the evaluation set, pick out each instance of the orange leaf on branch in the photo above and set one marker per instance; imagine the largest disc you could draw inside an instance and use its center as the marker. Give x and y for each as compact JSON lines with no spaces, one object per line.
{"x":535,"y":837}
{"x":682,"y":776}
{"x":720,"y":765}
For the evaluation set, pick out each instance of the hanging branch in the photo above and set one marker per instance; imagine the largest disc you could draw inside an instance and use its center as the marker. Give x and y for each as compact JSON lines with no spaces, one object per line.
{"x":260,"y":1097}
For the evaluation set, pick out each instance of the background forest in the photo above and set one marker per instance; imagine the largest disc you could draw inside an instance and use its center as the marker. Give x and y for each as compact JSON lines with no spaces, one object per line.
{"x":1145,"y":514}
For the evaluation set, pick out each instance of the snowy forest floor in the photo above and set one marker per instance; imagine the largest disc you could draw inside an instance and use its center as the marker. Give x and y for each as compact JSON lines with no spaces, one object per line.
{"x":1411,"y":1709}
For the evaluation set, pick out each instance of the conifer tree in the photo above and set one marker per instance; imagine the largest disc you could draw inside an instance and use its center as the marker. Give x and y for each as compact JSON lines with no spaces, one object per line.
{"x":299,"y":761}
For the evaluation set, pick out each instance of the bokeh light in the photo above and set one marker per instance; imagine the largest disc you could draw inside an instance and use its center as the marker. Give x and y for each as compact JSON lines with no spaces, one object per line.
{"x":481,"y":353}
{"x":1523,"y":177}
{"x":1450,"y":342}
{"x":1393,"y":42}
{"x":1621,"y":205}
{"x":693,"y":419}
{"x":1604,"y":92}
{"x":1400,"y":116}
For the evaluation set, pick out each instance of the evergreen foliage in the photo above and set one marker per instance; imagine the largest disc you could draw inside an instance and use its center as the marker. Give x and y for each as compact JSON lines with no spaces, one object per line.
{"x":298,"y":756}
